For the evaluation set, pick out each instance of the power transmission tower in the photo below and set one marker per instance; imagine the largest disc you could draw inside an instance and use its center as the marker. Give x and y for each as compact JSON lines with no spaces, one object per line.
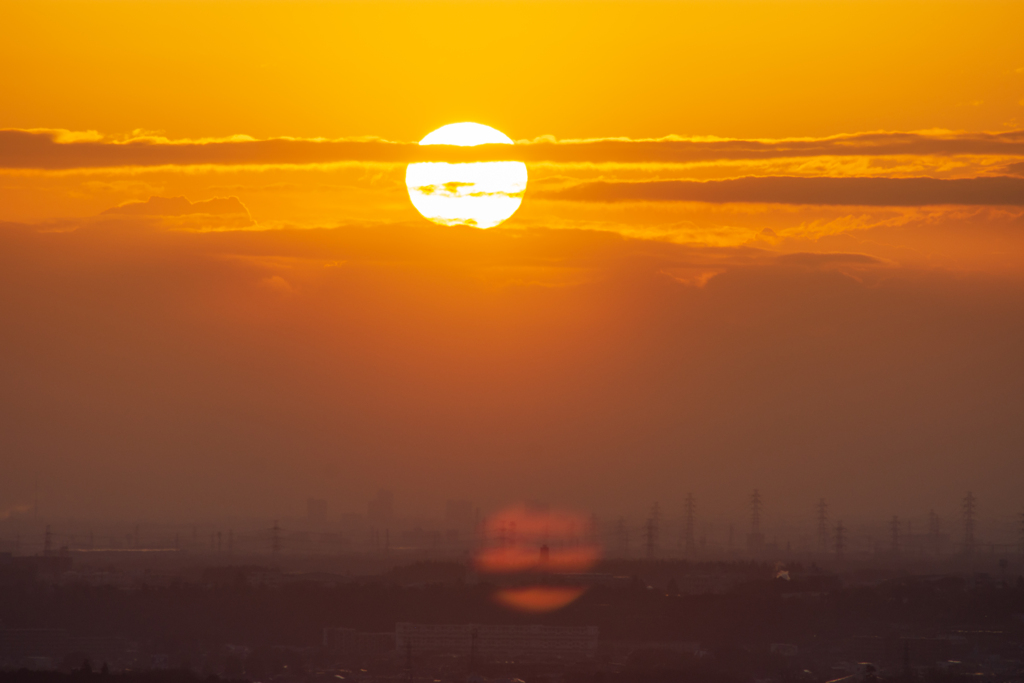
{"x":823,"y":525}
{"x":934,"y":532}
{"x":275,"y":539}
{"x":622,"y":537}
{"x":691,"y":510}
{"x":894,"y":530}
{"x":649,"y":537}
{"x":47,"y":541}
{"x":1022,"y":533}
{"x":840,"y":539}
{"x":651,"y":532}
{"x":969,"y":509}
{"x":755,"y":541}
{"x":472,"y":649}
{"x":755,"y":512}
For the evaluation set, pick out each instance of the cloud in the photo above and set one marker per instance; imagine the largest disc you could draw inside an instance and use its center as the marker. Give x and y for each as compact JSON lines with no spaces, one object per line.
{"x":995,"y":191}
{"x":180,"y":206}
{"x":44,"y":150}
{"x":675,"y":149}
{"x":225,"y":372}
{"x":828,"y":259}
{"x":50,"y":149}
{"x":1015,"y":169}
{"x":221,"y":212}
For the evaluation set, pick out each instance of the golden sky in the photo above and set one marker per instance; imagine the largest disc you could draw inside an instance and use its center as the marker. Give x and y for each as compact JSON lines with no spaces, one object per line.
{"x":772,"y":244}
{"x":569,"y":69}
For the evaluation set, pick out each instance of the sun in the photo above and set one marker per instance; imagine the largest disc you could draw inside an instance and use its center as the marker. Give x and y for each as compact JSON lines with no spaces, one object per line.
{"x":482,"y":194}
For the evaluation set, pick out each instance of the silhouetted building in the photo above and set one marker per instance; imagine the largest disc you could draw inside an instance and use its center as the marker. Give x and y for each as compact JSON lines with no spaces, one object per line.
{"x":348,"y":643}
{"x":894,"y":652}
{"x":520,"y":642}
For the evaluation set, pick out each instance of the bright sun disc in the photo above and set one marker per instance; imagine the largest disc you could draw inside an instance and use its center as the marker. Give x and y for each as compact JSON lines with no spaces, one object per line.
{"x":482,"y":194}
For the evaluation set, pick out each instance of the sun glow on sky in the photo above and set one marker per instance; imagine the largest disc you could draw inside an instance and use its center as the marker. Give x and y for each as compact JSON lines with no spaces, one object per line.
{"x":771,"y":243}
{"x":483,"y":194}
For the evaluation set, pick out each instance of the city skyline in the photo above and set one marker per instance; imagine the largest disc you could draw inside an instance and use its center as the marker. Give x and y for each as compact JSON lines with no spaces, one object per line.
{"x":463,"y":528}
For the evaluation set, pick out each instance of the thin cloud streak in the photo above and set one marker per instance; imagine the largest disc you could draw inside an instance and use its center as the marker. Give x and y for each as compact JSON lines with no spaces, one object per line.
{"x":64,"y":150}
{"x":996,"y":191}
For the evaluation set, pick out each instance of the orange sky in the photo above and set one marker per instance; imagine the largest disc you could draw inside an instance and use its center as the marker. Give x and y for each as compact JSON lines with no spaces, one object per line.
{"x":771,"y":244}
{"x":398,"y":70}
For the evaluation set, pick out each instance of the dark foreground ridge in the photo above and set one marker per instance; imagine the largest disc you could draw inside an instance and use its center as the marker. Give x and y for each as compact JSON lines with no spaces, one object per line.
{"x":435,"y":622}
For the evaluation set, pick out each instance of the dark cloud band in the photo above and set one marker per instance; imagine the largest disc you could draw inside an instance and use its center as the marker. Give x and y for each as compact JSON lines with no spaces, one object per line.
{"x":41,"y":150}
{"x":792,"y":190}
